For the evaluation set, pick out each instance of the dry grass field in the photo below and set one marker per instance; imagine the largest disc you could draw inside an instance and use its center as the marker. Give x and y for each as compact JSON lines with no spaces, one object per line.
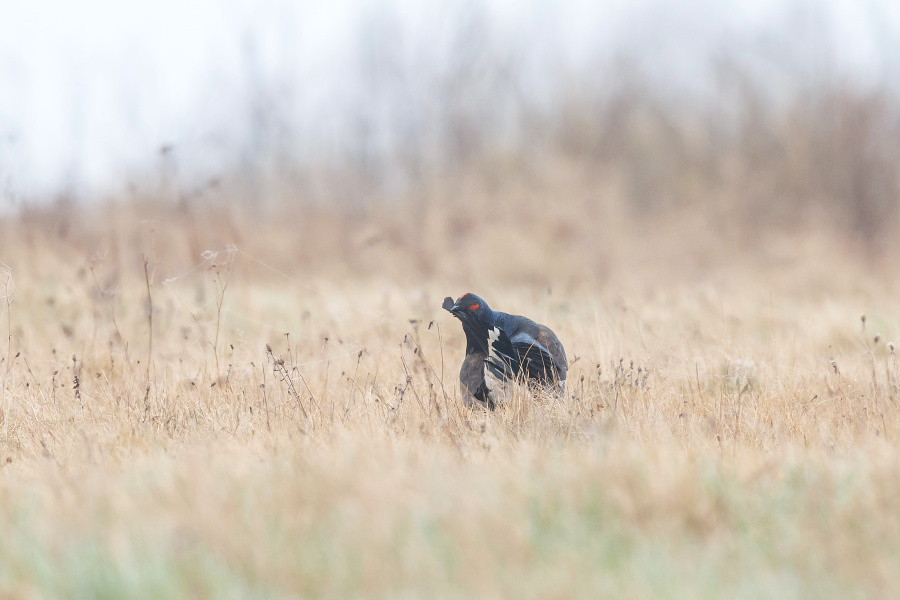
{"x":731,"y":428}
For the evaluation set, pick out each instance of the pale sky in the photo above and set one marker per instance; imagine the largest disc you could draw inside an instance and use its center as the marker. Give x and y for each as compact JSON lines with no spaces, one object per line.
{"x":90,"y":90}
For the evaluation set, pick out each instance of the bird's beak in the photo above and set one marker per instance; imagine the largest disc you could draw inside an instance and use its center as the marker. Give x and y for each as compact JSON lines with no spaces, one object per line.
{"x":451,"y":306}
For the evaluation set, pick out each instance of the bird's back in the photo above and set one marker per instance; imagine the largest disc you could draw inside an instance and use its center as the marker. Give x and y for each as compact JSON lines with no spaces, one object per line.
{"x":524,"y":333}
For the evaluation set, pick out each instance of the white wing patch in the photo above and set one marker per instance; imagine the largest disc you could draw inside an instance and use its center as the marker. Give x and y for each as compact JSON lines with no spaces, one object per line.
{"x":493,"y":336}
{"x":497,"y":387}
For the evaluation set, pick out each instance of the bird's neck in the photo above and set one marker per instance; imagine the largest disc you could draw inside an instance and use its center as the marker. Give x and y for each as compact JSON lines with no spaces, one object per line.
{"x":475,"y":341}
{"x":476,"y":335}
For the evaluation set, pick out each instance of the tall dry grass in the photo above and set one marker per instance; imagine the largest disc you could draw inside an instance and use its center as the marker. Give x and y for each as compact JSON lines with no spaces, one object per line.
{"x":730,"y":430}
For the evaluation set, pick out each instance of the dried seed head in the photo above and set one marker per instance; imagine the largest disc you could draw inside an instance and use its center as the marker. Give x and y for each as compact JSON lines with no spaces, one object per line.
{"x":268,"y":347}
{"x":877,"y":337}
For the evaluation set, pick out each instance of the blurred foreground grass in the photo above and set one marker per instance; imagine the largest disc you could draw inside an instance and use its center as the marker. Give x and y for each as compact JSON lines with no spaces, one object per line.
{"x":378,"y":516}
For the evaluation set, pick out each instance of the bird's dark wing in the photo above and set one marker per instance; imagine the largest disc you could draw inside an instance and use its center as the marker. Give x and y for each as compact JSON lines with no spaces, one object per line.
{"x":521,"y":356}
{"x":536,"y":342}
{"x":548,"y":340}
{"x":448,"y":303}
{"x":502,"y":360}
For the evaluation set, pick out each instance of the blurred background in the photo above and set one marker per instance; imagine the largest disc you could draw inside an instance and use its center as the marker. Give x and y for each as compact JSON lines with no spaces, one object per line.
{"x":756,"y":116}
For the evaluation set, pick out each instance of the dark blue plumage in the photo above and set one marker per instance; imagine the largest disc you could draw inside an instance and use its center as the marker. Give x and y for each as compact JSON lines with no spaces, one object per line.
{"x":501,"y":347}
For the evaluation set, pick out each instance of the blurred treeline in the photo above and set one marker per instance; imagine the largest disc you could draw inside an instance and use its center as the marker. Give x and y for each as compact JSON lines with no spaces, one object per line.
{"x":766,"y":133}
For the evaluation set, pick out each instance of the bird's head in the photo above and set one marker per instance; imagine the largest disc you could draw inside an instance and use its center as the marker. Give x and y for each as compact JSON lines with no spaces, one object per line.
{"x":467,"y":306}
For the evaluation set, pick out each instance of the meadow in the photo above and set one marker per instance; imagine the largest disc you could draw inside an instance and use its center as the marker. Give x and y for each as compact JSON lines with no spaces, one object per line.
{"x":210,"y":400}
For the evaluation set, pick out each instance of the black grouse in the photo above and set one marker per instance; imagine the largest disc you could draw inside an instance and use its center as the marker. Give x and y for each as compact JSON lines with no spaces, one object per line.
{"x":501,"y":348}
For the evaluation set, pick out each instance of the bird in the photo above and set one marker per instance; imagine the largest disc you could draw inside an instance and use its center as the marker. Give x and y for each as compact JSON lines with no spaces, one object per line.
{"x":501,"y":348}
